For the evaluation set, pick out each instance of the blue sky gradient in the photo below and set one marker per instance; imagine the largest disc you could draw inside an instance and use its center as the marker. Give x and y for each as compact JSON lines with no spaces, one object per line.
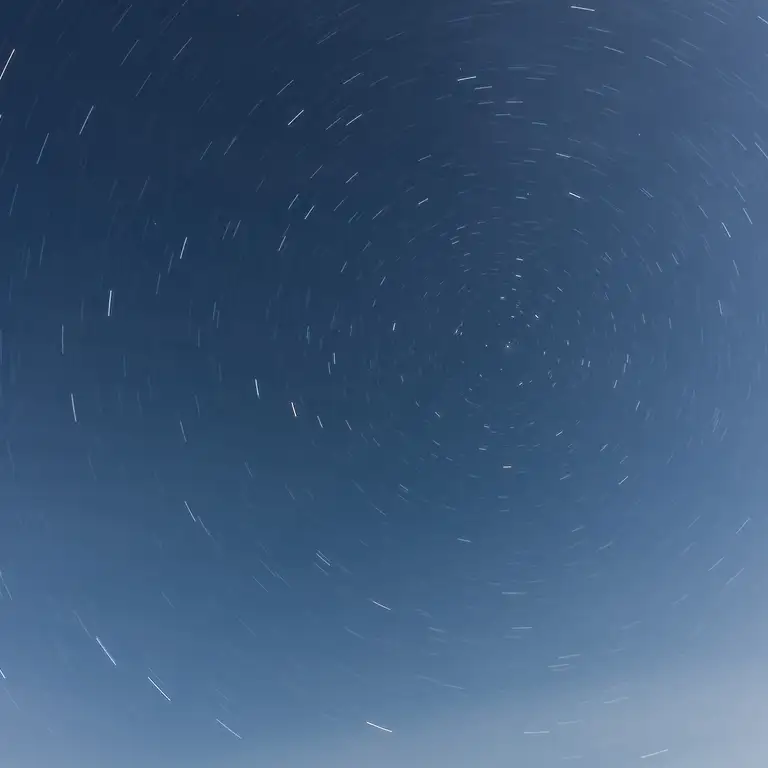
{"x":382,"y":384}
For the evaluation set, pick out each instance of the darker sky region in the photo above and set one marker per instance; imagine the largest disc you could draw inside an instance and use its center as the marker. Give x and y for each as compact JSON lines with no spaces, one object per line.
{"x":382,"y":382}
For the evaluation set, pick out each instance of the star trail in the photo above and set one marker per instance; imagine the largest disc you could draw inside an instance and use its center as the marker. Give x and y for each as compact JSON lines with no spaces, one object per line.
{"x":381,"y":383}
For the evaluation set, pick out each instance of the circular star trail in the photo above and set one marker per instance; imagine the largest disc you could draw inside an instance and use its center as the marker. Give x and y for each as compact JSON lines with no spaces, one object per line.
{"x":382,"y":382}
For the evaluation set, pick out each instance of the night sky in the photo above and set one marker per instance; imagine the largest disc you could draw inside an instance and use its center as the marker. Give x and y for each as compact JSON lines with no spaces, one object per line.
{"x":382,"y":384}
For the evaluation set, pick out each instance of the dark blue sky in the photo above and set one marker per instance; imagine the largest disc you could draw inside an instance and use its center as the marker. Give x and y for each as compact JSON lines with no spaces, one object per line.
{"x":382,"y":382}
